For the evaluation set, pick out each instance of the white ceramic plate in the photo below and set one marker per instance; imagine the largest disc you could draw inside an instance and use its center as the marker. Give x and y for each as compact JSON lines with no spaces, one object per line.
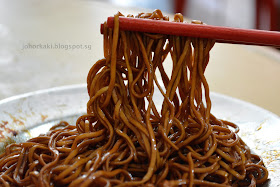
{"x":28,"y":115}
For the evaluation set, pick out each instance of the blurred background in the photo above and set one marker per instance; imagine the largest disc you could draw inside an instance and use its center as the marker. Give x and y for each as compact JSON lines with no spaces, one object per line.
{"x":259,"y":14}
{"x":29,"y":27}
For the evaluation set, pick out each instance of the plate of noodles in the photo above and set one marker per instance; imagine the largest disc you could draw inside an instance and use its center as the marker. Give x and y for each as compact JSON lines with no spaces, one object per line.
{"x":134,"y":125}
{"x":32,"y":114}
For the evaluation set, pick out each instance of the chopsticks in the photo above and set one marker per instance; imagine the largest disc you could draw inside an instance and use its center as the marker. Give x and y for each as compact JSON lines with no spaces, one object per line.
{"x":220,"y":34}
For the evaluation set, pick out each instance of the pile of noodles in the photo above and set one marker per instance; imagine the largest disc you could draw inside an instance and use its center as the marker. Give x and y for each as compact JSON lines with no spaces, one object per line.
{"x":124,"y":139}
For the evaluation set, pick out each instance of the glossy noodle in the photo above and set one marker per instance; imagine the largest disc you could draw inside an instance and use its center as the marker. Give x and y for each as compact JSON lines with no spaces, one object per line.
{"x":128,"y":137}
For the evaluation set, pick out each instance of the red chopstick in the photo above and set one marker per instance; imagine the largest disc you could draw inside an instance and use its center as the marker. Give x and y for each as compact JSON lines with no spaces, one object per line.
{"x":220,"y":34}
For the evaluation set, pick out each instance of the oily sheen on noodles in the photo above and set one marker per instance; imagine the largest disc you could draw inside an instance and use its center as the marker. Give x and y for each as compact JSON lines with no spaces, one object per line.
{"x":124,"y":139}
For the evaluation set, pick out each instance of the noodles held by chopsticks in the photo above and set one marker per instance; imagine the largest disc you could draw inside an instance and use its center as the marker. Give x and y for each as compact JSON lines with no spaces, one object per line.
{"x":124,"y":139}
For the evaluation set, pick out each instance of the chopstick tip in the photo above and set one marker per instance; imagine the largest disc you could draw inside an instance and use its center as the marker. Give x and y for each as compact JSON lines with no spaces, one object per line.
{"x":101,"y":28}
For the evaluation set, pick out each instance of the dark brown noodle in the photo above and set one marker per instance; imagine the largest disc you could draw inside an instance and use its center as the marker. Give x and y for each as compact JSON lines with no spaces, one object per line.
{"x":124,"y":139}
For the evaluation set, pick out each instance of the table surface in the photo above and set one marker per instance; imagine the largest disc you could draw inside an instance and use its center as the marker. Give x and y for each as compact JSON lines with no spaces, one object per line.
{"x":29,"y":28}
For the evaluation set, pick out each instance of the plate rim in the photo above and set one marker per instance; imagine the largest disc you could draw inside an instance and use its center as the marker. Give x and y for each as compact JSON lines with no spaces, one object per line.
{"x":83,"y":85}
